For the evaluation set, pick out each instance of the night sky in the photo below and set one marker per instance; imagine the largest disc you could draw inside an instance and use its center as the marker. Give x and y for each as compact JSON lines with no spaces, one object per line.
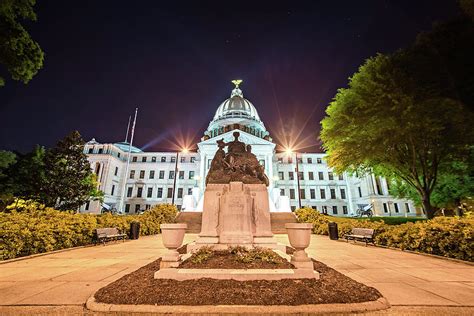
{"x":175,"y":59}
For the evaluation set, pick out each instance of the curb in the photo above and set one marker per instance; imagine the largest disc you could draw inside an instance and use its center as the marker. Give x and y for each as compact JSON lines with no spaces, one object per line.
{"x":380,"y":304}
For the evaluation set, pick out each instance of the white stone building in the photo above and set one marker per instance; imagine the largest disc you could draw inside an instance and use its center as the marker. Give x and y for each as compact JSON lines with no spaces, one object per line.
{"x":151,"y":175}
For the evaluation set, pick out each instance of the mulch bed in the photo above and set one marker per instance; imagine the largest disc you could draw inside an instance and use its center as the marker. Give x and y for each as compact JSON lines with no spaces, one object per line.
{"x":140,"y":287}
{"x":225,"y":260}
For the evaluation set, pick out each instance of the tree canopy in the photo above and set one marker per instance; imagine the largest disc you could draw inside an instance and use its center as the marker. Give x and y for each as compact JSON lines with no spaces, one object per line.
{"x":19,"y":53}
{"x":406,"y":114}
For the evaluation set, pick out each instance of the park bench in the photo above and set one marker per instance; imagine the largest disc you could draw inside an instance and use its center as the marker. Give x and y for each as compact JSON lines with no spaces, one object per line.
{"x":363,"y":234}
{"x":106,"y":234}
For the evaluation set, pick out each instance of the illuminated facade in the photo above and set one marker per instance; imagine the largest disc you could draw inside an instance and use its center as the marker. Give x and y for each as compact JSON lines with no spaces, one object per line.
{"x":151,"y":175}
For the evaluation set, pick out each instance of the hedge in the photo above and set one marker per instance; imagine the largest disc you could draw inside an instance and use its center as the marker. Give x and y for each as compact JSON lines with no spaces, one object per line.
{"x":451,"y":237}
{"x":28,"y":228}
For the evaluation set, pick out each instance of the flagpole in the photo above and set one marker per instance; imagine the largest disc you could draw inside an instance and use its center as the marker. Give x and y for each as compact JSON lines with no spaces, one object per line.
{"x":122,"y":199}
{"x":128,"y":128}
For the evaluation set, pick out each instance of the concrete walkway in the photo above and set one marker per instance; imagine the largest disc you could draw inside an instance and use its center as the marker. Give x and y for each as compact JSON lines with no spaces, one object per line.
{"x":66,"y":279}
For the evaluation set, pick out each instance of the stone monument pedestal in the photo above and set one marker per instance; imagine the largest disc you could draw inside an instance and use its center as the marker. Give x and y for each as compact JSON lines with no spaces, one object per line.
{"x":236,"y":214}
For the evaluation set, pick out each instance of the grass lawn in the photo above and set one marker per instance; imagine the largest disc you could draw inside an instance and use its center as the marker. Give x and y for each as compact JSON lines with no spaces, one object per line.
{"x":392,"y":220}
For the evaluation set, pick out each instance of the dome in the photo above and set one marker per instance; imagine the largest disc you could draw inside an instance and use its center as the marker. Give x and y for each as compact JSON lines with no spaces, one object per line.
{"x":236,"y":106}
{"x":124,"y":146}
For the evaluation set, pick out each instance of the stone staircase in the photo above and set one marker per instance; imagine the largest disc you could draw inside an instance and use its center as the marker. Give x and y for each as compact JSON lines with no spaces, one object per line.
{"x":279,"y":220}
{"x":194,"y":220}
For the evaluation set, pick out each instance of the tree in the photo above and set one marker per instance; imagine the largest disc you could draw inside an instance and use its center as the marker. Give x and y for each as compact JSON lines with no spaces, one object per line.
{"x":7,"y":158}
{"x":19,"y":53}
{"x":69,"y":179}
{"x":399,"y":117}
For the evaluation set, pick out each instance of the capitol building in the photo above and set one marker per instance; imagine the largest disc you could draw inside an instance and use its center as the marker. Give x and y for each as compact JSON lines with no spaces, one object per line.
{"x":151,"y":178}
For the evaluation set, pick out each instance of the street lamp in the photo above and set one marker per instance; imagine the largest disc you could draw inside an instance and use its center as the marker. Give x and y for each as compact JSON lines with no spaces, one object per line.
{"x":289,"y":152}
{"x":184,"y":151}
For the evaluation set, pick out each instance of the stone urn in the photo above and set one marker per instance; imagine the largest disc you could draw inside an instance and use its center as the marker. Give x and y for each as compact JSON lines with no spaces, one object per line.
{"x":299,"y":235}
{"x":172,"y":236}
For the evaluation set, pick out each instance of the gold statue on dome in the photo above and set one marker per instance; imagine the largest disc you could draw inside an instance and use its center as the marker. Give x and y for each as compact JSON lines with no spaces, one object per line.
{"x":237,"y":82}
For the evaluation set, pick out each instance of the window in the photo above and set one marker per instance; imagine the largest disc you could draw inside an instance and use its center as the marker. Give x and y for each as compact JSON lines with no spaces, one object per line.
{"x":191,"y":175}
{"x":180,"y":193}
{"x":282,"y":192}
{"x":281,"y":175}
{"x":173,"y":159}
{"x":310,"y":160}
{"x":118,"y":155}
{"x":385,"y":208}
{"x":116,"y":171}
{"x":153,"y":159}
{"x":129,"y":192}
{"x":152,"y":174}
{"x":139,"y":192}
{"x":300,"y":160}
{"x":142,"y":174}
{"x":330,"y":176}
{"x":149,"y":193}
{"x":132,"y":174}
{"x":87,"y":205}
{"x":292,"y":194}
{"x":280,"y":160}
{"x":378,"y":185}
{"x":182,"y":159}
{"x":343,"y":194}
{"x":320,"y":175}
{"x":311,"y":175}
{"x":325,"y":209}
{"x":323,"y":193}
{"x":333,"y":193}
{"x":170,"y":193}
{"x":90,"y":150}
{"x":209,"y":163}
{"x":163,"y":159}
{"x":290,"y":160}
{"x":190,"y":191}
{"x":341,"y":177}
{"x":334,"y":209}
{"x":113,"y":190}
{"x":396,"y":207}
{"x":181,"y":175}
{"x":193,"y":159}
{"x":159,"y":194}
{"x":360,"y":191}
{"x":162,"y":174}
{"x":127,"y":208}
{"x":171,"y":176}
{"x":302,"y":194}
{"x":147,"y":206}
{"x":290,"y":175}
{"x":143,"y":159}
{"x":312,"y":194}
{"x":179,"y":207}
{"x":344,"y":210}
{"x":319,"y":160}
{"x":300,"y":175}
{"x":137,"y":208}
{"x":407,"y":207}
{"x":262,"y":162}
{"x":293,"y":208}
{"x":101,"y":150}
{"x":134,"y":159}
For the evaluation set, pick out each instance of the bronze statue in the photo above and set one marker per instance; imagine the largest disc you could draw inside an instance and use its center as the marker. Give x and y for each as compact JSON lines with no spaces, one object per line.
{"x":239,"y":164}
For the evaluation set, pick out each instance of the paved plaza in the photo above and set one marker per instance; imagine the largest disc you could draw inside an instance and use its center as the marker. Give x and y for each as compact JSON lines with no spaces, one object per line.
{"x":62,"y":282}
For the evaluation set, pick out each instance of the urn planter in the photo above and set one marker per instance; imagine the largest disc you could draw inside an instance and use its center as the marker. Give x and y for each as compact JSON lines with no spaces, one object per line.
{"x":299,"y":235}
{"x":172,"y":236}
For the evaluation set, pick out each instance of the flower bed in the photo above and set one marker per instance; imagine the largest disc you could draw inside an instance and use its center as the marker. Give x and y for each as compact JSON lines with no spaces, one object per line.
{"x":31,"y":228}
{"x":451,"y":237}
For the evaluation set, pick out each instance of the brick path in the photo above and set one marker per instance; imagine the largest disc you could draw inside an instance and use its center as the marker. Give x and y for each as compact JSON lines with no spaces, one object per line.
{"x":62,"y":282}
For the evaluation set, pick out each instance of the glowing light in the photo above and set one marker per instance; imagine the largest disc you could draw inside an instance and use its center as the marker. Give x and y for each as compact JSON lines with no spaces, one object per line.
{"x":289,"y":151}
{"x":185,"y":150}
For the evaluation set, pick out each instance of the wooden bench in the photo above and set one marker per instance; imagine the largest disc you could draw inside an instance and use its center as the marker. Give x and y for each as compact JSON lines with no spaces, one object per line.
{"x":363,"y":234}
{"x":106,"y":234}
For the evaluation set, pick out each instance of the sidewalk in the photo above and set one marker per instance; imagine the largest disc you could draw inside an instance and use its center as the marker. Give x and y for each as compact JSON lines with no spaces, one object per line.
{"x":68,"y":278}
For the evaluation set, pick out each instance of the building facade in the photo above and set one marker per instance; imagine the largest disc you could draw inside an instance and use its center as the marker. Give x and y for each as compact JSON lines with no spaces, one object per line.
{"x":164,"y":177}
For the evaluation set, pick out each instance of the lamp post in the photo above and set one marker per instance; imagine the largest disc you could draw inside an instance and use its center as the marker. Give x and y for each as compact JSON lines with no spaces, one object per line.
{"x":184,"y":150}
{"x":289,"y":151}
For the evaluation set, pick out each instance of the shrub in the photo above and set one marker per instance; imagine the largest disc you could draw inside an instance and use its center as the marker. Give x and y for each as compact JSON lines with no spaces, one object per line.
{"x":444,"y":236}
{"x":29,"y":227}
